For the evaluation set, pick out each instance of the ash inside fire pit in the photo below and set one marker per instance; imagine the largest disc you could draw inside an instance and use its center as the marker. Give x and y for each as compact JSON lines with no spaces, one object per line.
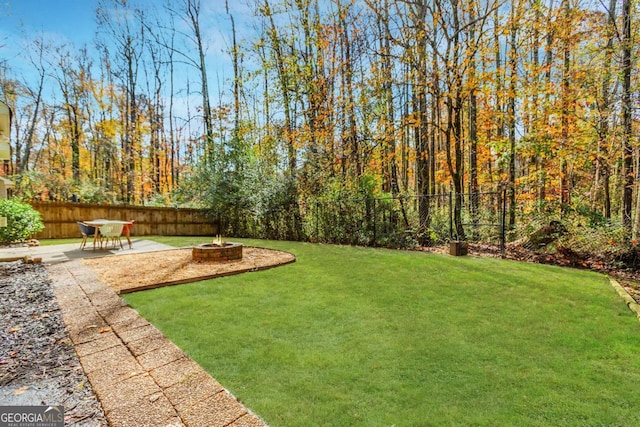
{"x":216,"y":252}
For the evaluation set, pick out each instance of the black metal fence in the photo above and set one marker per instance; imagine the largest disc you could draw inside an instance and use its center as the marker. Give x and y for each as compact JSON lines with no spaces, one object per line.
{"x":427,"y":220}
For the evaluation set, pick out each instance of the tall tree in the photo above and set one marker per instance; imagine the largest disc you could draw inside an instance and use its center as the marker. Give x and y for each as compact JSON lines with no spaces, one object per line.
{"x":23,"y":150}
{"x":514,"y":24}
{"x":284,"y":83}
{"x":72,"y":82}
{"x":473,"y":115}
{"x":628,"y":170}
{"x":192,"y":11}
{"x":565,"y":189}
{"x":237,"y":78}
{"x":115,"y":17}
{"x":603,"y":171}
{"x":425,"y":152}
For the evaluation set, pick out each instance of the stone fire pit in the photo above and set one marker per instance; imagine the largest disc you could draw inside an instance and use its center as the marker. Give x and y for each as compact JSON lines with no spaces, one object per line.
{"x":215,"y":252}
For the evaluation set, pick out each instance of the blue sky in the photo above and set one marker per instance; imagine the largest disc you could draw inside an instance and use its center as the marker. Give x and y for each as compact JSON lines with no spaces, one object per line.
{"x":73,"y":23}
{"x":68,"y":19}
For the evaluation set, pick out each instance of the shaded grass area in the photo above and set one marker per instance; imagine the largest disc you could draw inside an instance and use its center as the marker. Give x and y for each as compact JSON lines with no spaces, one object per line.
{"x":52,"y":242}
{"x":371,"y":337}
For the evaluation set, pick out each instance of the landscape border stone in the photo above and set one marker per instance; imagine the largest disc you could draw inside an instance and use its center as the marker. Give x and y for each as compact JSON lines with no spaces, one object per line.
{"x":628,"y":299}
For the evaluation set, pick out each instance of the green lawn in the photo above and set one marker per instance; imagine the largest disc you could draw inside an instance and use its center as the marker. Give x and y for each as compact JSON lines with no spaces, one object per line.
{"x":368,"y":337}
{"x":52,"y":242}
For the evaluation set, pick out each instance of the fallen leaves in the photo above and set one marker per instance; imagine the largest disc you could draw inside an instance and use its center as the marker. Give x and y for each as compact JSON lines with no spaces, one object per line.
{"x":21,"y":390}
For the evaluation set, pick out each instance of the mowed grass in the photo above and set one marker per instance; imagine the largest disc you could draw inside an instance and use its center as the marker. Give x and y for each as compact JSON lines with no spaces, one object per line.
{"x":371,"y":337}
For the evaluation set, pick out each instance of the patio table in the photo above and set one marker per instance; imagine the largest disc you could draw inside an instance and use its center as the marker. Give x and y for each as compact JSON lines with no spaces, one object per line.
{"x":97,"y":223}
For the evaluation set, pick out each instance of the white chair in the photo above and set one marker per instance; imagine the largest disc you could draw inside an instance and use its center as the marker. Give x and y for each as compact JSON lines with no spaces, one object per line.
{"x":111,"y":231}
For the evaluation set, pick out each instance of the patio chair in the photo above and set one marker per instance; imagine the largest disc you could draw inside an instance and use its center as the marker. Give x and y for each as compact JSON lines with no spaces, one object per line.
{"x":111,"y":231}
{"x":87,"y":231}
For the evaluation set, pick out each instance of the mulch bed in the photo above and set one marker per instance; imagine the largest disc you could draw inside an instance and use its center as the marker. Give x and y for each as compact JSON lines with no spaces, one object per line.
{"x":38,"y":363}
{"x":138,"y":271}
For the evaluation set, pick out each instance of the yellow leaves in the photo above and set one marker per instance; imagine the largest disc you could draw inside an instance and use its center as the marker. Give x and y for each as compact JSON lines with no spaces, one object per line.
{"x":524,"y":196}
{"x":413,"y":119}
{"x":109,"y":128}
{"x":442,"y":176}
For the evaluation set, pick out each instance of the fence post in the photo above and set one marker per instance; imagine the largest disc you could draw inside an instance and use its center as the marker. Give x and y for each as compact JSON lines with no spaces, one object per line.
{"x":375,"y":222}
{"x":317,"y":221}
{"x":450,"y":216}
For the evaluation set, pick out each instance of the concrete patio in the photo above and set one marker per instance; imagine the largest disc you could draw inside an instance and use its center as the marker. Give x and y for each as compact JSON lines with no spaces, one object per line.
{"x":54,"y":254}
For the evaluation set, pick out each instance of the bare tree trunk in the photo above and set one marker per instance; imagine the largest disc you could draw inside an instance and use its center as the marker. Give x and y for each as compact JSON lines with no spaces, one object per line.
{"x":283,"y":81}
{"x":603,"y":167}
{"x":155,"y":113}
{"x":129,"y":44}
{"x":235,"y":53}
{"x":628,"y":167}
{"x":436,"y":119}
{"x":390,"y":130}
{"x":548,"y":62}
{"x":535,"y":117}
{"x":173,"y":142}
{"x":350,"y":132}
{"x":565,"y":199}
{"x":511,"y":112}
{"x":131,"y":128}
{"x":22,"y":159}
{"x":473,"y":118}
{"x":421,"y":129}
{"x":192,"y":8}
{"x":453,"y":133}
{"x":499,"y":80}
{"x":295,"y":226}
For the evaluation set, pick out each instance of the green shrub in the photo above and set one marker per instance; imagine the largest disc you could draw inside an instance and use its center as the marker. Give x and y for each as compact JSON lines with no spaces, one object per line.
{"x":22,"y":221}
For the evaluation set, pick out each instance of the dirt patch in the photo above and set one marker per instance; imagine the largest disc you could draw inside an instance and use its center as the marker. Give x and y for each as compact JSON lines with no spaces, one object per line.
{"x":133,"y":272}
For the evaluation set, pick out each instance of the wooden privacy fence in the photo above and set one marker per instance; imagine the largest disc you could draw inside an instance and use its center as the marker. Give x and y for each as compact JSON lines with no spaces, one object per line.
{"x":60,"y":219}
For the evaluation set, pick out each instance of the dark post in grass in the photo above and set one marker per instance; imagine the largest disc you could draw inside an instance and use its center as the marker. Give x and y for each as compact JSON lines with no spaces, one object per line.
{"x":317,"y":221}
{"x":456,"y":247}
{"x":375,"y":221}
{"x":450,"y":217}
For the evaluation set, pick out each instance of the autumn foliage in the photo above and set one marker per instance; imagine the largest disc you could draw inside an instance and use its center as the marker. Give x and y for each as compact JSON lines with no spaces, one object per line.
{"x":342,"y":99}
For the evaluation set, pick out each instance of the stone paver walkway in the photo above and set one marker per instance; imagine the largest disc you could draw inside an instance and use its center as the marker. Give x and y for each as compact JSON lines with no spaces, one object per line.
{"x":140,"y":377}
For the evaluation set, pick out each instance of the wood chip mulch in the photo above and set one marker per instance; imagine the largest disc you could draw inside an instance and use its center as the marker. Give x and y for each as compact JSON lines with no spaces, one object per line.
{"x":38,"y":362}
{"x":139,"y":271}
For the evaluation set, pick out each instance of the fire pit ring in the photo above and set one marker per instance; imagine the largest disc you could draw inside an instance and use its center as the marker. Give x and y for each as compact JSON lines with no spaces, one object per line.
{"x":214,"y":252}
